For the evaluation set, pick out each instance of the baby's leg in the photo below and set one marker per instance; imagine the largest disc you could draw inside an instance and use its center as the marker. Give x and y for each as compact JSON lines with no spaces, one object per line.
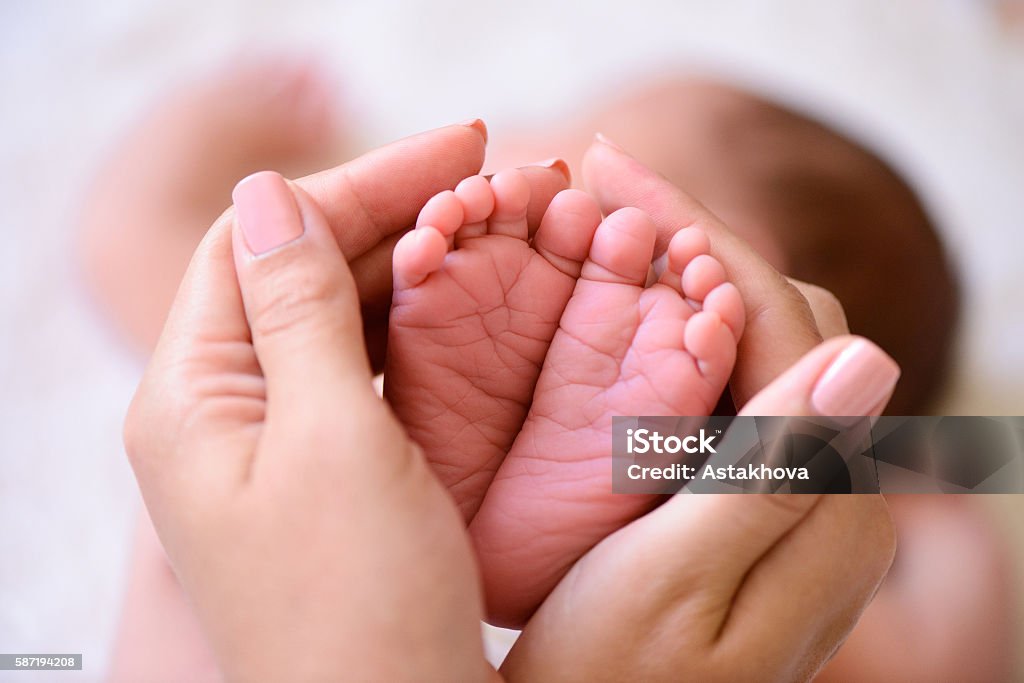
{"x":172,"y":173}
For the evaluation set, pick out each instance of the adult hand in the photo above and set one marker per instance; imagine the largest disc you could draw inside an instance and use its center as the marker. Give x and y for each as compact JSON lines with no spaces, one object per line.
{"x":312,"y":536}
{"x":726,"y":587}
{"x":368,"y":204}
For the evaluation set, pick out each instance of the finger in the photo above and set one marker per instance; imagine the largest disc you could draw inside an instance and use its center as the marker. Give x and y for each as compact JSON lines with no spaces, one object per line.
{"x":380,"y":193}
{"x":206,"y":332}
{"x":300,"y":301}
{"x":721,"y":615}
{"x":780,"y":325}
{"x":829,"y":566}
{"x":808,"y":590}
{"x":828,"y":311}
{"x":367,"y":203}
{"x":789,"y":569}
{"x":844,"y":376}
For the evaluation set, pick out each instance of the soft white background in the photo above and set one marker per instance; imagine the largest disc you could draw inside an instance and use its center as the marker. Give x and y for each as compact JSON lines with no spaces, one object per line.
{"x":938,"y":85}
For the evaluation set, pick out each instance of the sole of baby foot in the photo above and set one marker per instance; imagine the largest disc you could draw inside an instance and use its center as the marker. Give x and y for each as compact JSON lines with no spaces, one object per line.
{"x":622,"y":349}
{"x":476,"y":304}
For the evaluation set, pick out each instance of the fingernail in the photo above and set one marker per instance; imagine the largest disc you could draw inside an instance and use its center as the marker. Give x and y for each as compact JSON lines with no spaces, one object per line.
{"x":603,"y":139}
{"x":558,"y":164}
{"x":266,"y":211}
{"x":478,"y":125}
{"x":860,"y":378}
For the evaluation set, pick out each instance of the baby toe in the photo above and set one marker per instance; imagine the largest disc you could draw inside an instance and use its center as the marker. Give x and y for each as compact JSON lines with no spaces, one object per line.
{"x":725,"y":300}
{"x":511,"y":202}
{"x":686,"y":245}
{"x":567,"y":231}
{"x":622,"y":249}
{"x":700,"y":276}
{"x":419,"y":253}
{"x":711,"y":343}
{"x":477,"y":199}
{"x":443,"y":211}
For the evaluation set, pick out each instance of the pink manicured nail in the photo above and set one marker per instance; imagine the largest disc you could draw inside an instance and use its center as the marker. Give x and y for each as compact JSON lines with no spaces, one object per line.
{"x":602,"y":138}
{"x":266,"y":211}
{"x":860,"y":378}
{"x":478,"y":125}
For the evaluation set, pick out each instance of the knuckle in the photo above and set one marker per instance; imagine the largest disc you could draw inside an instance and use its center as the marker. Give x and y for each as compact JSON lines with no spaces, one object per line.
{"x":295,"y":297}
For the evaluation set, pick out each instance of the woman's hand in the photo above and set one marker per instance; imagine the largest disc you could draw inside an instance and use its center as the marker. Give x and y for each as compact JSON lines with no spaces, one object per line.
{"x":312,"y":536}
{"x":723,"y":587}
{"x":728,"y":587}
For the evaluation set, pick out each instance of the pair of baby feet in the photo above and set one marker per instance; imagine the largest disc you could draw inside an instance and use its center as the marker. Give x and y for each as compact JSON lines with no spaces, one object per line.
{"x":509,"y":354}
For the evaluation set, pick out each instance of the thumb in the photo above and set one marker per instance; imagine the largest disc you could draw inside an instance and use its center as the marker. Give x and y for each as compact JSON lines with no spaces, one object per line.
{"x":844,"y":376}
{"x":299,"y":296}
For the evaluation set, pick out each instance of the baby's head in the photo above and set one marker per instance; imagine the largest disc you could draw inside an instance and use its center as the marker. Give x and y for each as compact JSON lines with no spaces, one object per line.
{"x":818,"y":205}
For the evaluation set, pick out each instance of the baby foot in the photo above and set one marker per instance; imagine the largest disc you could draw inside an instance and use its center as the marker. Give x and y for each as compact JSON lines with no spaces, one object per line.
{"x":476,"y":304}
{"x":621,"y":349}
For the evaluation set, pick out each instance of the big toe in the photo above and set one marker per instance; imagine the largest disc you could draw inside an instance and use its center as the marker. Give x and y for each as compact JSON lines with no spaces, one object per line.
{"x":567,"y":231}
{"x":511,"y":204}
{"x":622,"y":249}
{"x":711,"y":343}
